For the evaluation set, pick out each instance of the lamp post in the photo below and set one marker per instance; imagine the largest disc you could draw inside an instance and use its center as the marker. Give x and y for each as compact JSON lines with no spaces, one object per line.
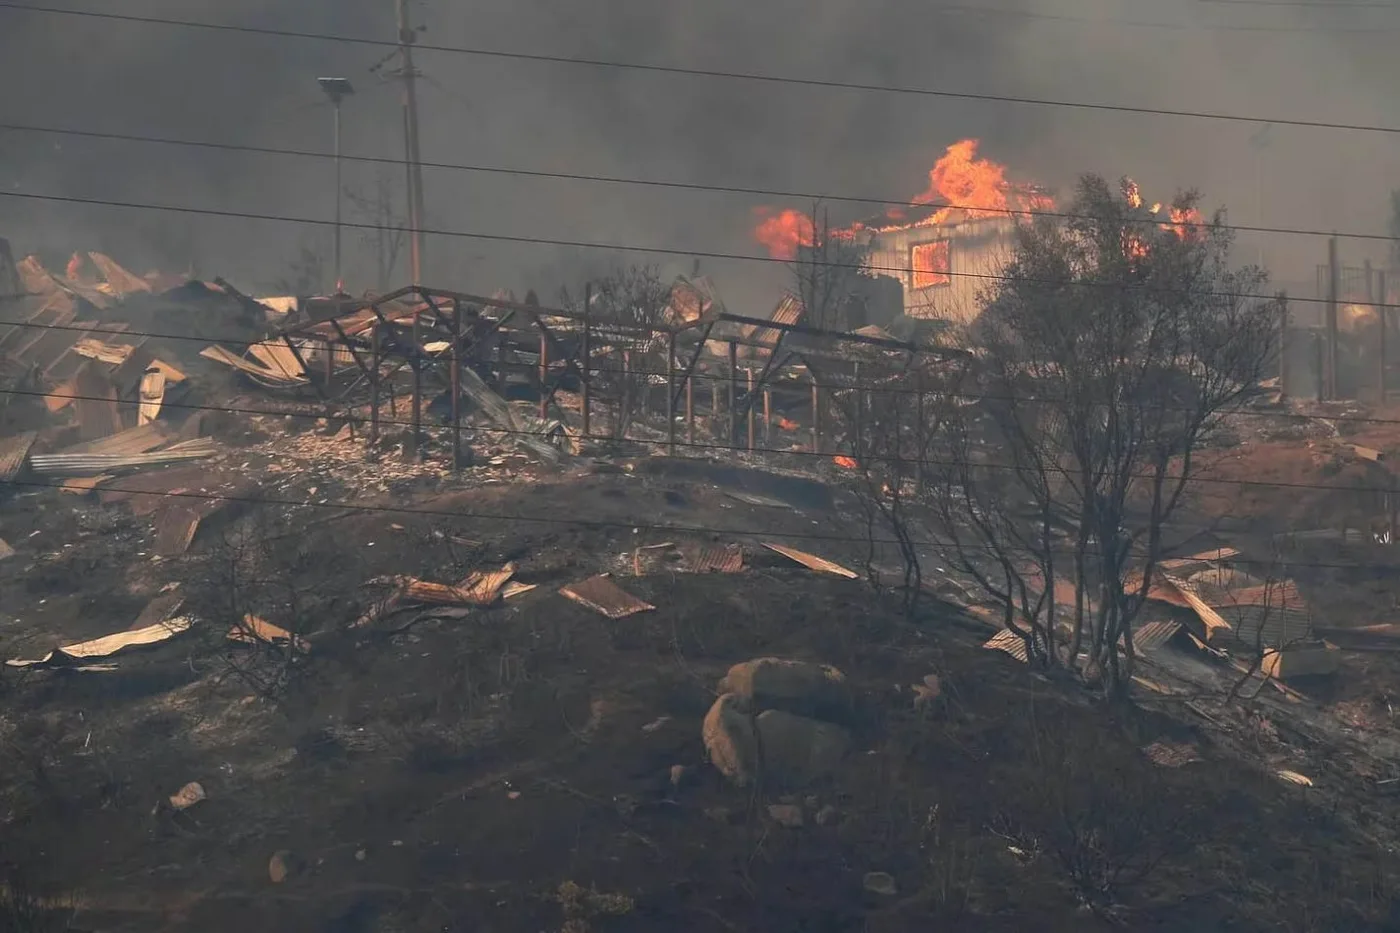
{"x":337,"y":89}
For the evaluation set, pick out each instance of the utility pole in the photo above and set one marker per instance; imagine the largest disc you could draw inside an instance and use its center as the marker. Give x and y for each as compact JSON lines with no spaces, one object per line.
{"x":410,"y":136}
{"x":337,"y":89}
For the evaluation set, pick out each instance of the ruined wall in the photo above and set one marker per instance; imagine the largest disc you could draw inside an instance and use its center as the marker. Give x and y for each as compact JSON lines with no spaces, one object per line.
{"x":977,"y":252}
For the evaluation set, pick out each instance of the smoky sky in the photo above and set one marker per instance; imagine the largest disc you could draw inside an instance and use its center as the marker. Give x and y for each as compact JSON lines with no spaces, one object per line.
{"x":1308,"y":62}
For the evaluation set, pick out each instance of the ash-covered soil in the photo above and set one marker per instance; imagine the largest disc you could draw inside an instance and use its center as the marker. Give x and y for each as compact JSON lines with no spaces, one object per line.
{"x":537,"y":766}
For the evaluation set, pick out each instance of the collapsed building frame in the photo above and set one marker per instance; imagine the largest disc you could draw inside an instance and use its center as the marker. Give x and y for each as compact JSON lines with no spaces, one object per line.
{"x":476,"y":339}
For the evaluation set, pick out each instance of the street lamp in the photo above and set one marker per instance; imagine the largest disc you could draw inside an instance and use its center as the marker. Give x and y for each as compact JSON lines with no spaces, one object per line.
{"x":337,"y":89}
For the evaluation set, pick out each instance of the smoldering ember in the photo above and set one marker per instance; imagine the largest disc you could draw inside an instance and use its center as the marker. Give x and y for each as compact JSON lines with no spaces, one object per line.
{"x":1027,"y":564}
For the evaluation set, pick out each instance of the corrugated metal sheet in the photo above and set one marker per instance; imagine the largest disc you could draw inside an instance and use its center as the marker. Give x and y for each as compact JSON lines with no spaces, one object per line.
{"x":135,"y":440}
{"x":1010,"y":643}
{"x":1151,"y":636}
{"x":812,"y":561}
{"x":717,"y":558}
{"x":1271,"y":627}
{"x":13,"y":452}
{"x":788,"y":311}
{"x":604,"y":596}
{"x":90,"y":464}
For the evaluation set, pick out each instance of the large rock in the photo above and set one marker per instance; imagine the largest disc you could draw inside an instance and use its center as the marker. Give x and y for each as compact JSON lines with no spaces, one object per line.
{"x":730,"y":739}
{"x":794,"y":686}
{"x":795,"y":750}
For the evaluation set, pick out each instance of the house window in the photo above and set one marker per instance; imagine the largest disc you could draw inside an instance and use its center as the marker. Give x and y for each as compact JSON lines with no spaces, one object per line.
{"x":930,"y":264}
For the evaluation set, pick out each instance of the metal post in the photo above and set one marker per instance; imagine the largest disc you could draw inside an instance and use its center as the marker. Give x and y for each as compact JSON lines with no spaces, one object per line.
{"x":374,"y":386}
{"x":417,"y":415}
{"x":456,"y":384}
{"x":919,"y":428}
{"x":690,"y":409}
{"x":1382,"y":312}
{"x":748,"y":406}
{"x":1395,"y":507}
{"x":733,"y":395}
{"x":586,"y":353}
{"x":624,"y":404}
{"x":1283,"y":348}
{"x":1334,"y":274}
{"x":816,"y":417}
{"x":544,"y":376}
{"x":671,"y":394}
{"x":767,"y":417}
{"x":857,"y":445}
{"x":329,"y":365}
{"x":1320,"y":346}
{"x":339,"y":277}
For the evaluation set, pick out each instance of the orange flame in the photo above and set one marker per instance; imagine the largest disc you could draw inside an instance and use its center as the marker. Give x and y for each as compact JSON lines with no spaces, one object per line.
{"x":967,"y":185}
{"x":963,"y":181}
{"x":847,"y":463}
{"x":1183,"y":222}
{"x":782,"y":232}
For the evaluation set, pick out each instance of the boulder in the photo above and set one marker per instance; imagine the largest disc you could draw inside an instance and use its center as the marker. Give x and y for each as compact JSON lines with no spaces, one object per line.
{"x":797,"y":750}
{"x":730,"y":739}
{"x":799,"y":687}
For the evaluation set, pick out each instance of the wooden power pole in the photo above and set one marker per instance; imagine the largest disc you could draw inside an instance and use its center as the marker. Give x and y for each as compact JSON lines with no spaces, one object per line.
{"x":412,"y":156}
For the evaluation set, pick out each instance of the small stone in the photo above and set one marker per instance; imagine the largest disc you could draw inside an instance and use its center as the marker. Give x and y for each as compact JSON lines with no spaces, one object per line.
{"x":283,"y":865}
{"x":720,"y":814}
{"x":879,"y":882}
{"x":826,"y":816}
{"x":187,"y":796}
{"x":678,"y":775}
{"x":786,"y":814}
{"x":361,"y":855}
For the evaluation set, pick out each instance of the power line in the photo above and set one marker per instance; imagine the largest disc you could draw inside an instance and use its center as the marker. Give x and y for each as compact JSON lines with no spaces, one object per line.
{"x":644,"y":182}
{"x":654,"y":250}
{"x":1141,"y":24}
{"x":885,"y":458}
{"x":712,"y":73}
{"x":1316,"y":4}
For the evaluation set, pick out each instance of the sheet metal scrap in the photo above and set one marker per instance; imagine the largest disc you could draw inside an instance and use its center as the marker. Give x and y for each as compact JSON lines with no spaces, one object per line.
{"x":766,"y":502}
{"x":256,"y":630}
{"x":1171,"y":755}
{"x":108,"y":645}
{"x":137,"y":440}
{"x":264,"y":375}
{"x":1150,"y":636}
{"x":717,"y":558}
{"x":813,"y":562}
{"x":152,"y":396}
{"x":93,"y":464}
{"x":1012,"y":644}
{"x":5,"y":550}
{"x":14,"y":451}
{"x":479,"y":589}
{"x":604,"y":596}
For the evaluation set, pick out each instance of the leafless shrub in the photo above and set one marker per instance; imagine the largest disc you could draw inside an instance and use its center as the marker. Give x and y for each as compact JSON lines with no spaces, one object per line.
{"x":624,"y":305}
{"x":250,"y":586}
{"x":827,"y":272}
{"x":22,"y":910}
{"x":1108,"y":354}
{"x":1104,"y":816}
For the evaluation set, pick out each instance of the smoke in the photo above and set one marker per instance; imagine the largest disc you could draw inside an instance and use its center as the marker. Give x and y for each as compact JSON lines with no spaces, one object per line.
{"x":1269,"y":61}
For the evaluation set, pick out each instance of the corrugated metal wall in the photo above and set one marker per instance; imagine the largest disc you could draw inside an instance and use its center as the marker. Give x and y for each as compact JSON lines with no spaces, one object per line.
{"x":978,"y":251}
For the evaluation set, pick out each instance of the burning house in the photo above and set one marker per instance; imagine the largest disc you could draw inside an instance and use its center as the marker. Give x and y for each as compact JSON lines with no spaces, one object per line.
{"x":943,"y":263}
{"x":943,"y":249}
